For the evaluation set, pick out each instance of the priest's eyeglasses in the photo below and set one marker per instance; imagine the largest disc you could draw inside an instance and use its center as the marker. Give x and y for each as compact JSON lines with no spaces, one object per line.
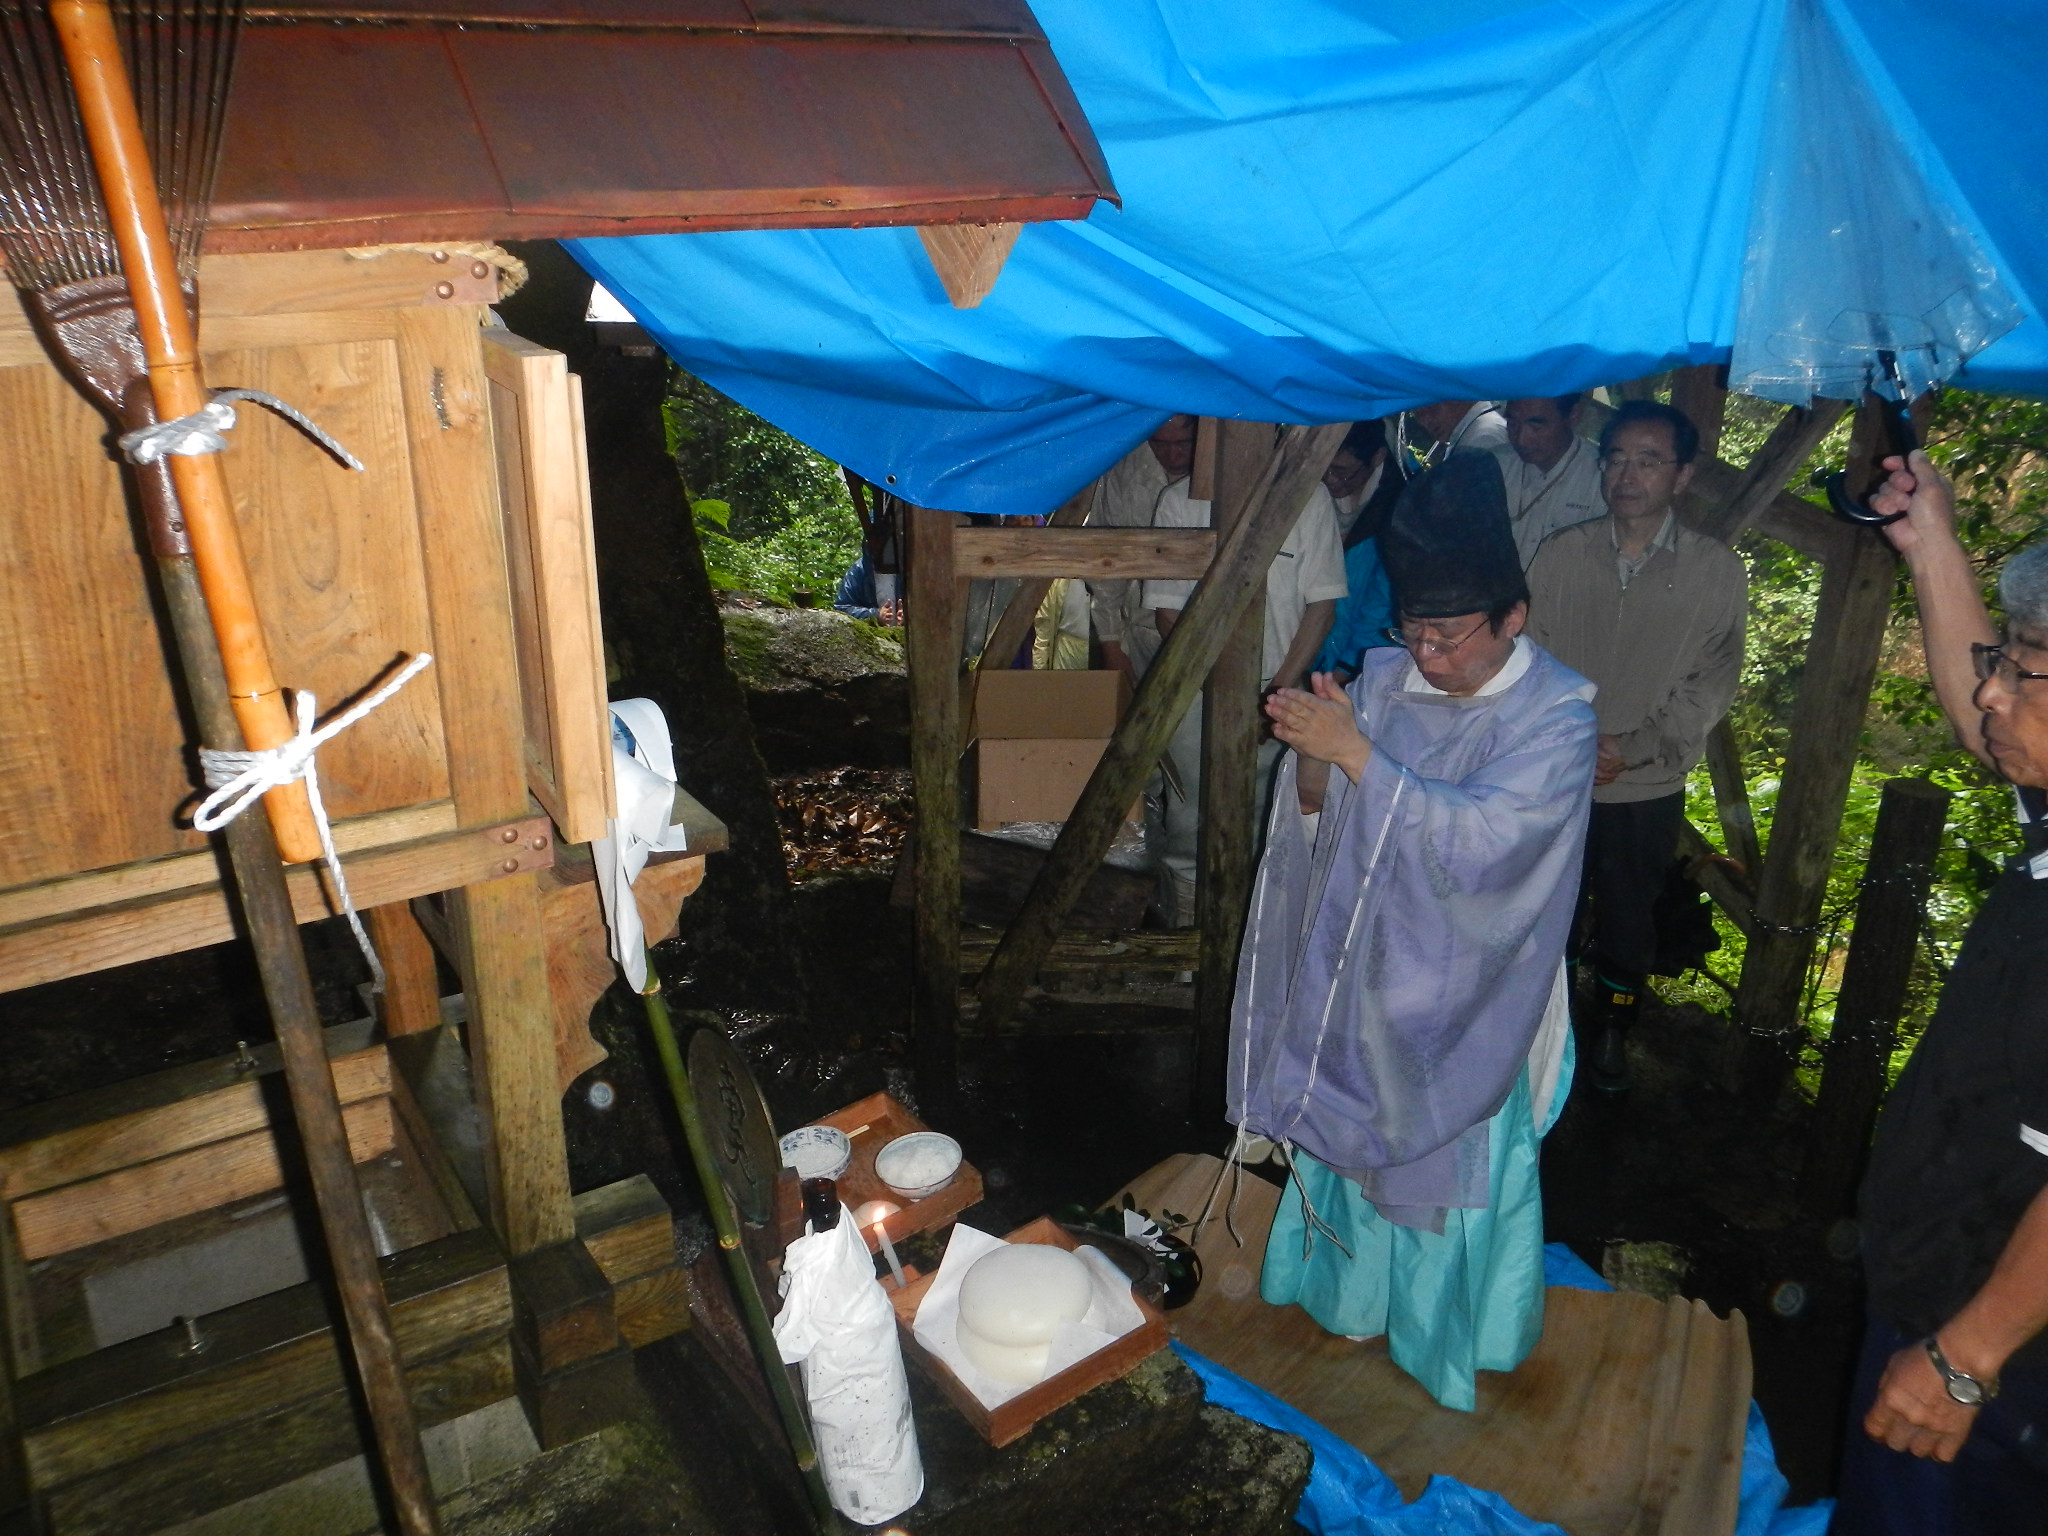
{"x":1416,"y":640}
{"x":1988,"y":660}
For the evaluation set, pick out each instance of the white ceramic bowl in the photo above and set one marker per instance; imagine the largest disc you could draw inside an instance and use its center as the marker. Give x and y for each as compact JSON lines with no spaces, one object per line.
{"x":918,"y":1165}
{"x":817,"y":1151}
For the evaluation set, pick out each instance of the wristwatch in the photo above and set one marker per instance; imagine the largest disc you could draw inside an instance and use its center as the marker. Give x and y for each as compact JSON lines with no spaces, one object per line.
{"x":1962,"y":1386}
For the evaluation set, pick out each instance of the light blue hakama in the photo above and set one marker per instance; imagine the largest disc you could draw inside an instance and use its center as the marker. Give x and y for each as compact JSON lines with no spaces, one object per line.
{"x":1469,"y":1299}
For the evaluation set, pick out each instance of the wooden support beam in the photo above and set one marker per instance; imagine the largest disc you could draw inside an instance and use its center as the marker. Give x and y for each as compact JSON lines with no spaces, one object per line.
{"x":99,"y":1143}
{"x":1827,"y":723}
{"x":934,"y":633}
{"x":1208,"y":447}
{"x":74,"y":942}
{"x":1014,"y":627}
{"x":501,"y":947}
{"x":1127,"y":554}
{"x":114,"y":1405}
{"x":1791,"y":443}
{"x":1716,"y":879}
{"x":1890,"y":908}
{"x":968,"y":257}
{"x":1228,"y":844}
{"x":1077,"y":949}
{"x":1702,"y":393}
{"x":1206,"y":624}
{"x":1731,"y":799}
{"x":220,"y":1173}
{"x":412,"y":983}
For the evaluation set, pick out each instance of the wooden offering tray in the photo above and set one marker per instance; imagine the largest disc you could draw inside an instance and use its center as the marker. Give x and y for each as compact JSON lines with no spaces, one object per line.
{"x":999,"y":1426}
{"x":886,"y":1120}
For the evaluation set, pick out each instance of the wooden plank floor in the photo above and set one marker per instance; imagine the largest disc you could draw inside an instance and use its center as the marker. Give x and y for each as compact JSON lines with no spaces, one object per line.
{"x":1626,"y":1420}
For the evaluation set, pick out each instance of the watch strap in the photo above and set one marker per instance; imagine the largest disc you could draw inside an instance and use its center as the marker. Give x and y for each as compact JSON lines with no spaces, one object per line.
{"x":1962,"y":1386}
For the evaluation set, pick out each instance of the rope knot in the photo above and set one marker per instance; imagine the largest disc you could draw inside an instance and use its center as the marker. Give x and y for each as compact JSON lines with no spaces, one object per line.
{"x":206,"y":429}
{"x":239,"y":779}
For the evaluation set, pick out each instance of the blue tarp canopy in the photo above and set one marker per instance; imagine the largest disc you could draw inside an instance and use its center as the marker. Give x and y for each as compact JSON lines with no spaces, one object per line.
{"x":1333,"y":209}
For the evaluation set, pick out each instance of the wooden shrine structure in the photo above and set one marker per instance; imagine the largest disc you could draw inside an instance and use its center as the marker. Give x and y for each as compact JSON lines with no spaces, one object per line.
{"x":368,"y":156}
{"x":1258,"y":476}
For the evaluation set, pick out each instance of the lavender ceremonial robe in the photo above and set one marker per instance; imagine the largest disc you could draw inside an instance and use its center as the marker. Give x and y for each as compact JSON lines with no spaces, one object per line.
{"x":1393,"y":976}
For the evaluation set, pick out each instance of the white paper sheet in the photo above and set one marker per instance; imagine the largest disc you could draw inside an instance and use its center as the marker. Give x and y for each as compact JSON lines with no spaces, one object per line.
{"x":1111,"y":1314}
{"x":644,"y":787}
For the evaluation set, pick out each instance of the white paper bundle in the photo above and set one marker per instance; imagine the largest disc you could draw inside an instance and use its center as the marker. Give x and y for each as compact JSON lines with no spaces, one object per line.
{"x":837,"y":1323}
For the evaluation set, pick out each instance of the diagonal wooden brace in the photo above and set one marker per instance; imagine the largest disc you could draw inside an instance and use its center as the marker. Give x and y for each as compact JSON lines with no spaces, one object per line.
{"x":1235,"y":576}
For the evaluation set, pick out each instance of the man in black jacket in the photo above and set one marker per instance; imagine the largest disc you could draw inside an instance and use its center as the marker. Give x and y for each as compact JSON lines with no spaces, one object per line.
{"x":1949,"y":1419}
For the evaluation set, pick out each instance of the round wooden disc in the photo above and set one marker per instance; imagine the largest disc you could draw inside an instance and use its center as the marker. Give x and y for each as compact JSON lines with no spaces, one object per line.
{"x":736,"y":1123}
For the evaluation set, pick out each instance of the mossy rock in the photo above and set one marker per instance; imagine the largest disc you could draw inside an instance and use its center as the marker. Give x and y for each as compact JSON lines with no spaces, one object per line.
{"x":823,"y":690}
{"x":776,"y":649}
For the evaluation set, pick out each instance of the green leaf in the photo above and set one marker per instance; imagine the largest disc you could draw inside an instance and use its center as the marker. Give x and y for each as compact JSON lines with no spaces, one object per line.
{"x":717,"y":513}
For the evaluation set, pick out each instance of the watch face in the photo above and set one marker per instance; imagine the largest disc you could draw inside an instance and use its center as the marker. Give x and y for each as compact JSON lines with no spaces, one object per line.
{"x":1966,"y":1390}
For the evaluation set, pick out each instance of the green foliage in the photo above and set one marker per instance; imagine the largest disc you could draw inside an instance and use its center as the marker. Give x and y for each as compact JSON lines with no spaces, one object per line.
{"x":772,"y":516}
{"x":1996,"y":452}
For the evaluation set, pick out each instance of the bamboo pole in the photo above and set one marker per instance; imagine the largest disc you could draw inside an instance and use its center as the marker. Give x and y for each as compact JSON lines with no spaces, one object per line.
{"x":732,"y":1244}
{"x":113,"y":128}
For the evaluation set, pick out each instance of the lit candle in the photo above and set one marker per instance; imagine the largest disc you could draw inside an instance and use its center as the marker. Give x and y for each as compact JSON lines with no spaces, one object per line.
{"x":876,"y":1214}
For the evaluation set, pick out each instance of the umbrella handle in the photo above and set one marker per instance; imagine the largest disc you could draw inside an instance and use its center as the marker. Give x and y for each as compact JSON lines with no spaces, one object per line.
{"x":106,"y":104}
{"x":1901,"y":438}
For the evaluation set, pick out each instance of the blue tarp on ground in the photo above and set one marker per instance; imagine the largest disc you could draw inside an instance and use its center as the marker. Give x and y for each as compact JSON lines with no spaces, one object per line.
{"x":1348,"y":1496}
{"x":1336,"y":208}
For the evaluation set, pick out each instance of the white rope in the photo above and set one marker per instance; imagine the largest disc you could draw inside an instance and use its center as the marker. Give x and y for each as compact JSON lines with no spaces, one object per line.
{"x":239,"y":779}
{"x":206,"y":429}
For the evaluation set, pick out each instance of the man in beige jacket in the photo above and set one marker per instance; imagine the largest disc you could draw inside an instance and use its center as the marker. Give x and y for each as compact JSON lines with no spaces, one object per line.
{"x":1653,"y":614}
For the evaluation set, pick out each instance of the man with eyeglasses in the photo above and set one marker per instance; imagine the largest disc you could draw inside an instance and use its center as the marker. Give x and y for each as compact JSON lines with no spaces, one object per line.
{"x":1654,"y":614}
{"x":1948,"y":1419}
{"x":1400,"y":1026}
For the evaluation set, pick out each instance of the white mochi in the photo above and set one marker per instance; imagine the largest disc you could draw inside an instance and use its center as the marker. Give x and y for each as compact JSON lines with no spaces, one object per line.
{"x":1019,"y":1295}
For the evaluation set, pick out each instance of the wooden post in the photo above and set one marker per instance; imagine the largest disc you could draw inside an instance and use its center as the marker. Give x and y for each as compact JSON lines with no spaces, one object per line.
{"x":501,"y":943}
{"x":1827,"y":722}
{"x":1230,"y":790}
{"x":935,"y":620}
{"x":1206,"y":624}
{"x":1889,"y":909}
{"x":1702,"y":393}
{"x":1731,"y":799}
{"x":499,"y":937}
{"x":412,"y":988}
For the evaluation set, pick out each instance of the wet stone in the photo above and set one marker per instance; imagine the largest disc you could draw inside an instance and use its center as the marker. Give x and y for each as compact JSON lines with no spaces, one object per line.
{"x":1136,"y":1456}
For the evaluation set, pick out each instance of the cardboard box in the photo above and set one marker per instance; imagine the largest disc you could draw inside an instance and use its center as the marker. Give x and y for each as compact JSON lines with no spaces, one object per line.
{"x":1051,"y":704}
{"x":1001,"y":1425}
{"x":1038,"y":736}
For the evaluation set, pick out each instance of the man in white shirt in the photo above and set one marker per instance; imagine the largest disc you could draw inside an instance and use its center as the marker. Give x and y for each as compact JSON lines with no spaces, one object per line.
{"x":1124,"y":498}
{"x":1303,"y":585}
{"x":1455,"y":424}
{"x":1552,"y":473}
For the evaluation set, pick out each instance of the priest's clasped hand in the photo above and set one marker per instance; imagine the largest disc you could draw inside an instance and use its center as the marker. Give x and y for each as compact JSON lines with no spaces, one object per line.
{"x":1321,"y":724}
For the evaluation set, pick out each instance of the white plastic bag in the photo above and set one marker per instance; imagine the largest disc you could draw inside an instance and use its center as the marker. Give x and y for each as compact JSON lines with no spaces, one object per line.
{"x":837,"y":1323}
{"x":644,"y":789}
